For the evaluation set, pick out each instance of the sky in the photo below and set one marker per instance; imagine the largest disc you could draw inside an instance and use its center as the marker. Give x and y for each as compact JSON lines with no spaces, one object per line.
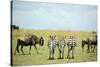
{"x":54,"y":16}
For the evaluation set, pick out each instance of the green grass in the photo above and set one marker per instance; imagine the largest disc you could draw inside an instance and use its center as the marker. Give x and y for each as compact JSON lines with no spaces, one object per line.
{"x":42,"y":58}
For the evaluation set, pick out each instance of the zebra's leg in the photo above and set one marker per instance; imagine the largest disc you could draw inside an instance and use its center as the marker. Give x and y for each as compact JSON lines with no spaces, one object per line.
{"x":59,"y":54}
{"x":73,"y":53}
{"x":52,"y":54}
{"x":62,"y":53}
{"x":49,"y":53}
{"x":22,"y":49}
{"x":30,"y":49}
{"x":36,"y":49}
{"x":68,"y":53}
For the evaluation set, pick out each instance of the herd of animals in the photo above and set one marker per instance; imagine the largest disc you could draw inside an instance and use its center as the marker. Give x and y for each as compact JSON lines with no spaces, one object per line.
{"x":53,"y":42}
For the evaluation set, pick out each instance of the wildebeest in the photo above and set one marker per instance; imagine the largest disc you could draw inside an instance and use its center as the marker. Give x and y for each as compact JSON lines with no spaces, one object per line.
{"x":71,"y":43}
{"x":91,"y":42}
{"x":51,"y":45}
{"x":61,"y":44}
{"x":29,"y":41}
{"x":85,"y":42}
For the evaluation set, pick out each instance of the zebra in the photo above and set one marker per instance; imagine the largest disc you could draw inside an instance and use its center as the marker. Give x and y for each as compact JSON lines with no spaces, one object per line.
{"x":71,"y":46}
{"x":61,"y":45}
{"x":52,"y":45}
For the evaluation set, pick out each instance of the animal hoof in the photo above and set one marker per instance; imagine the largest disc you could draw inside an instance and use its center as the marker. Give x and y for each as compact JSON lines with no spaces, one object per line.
{"x":52,"y":58}
{"x":49,"y":58}
{"x":69,"y":57}
{"x":72,"y":57}
{"x":62,"y":58}
{"x":59,"y":58}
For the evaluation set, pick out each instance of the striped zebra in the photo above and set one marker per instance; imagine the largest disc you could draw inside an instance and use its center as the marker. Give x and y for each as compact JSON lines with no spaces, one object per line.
{"x":52,"y":45}
{"x":71,"y":46}
{"x":61,"y":45}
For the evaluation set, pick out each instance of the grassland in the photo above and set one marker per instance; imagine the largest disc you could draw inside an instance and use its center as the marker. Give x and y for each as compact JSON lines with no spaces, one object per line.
{"x":42,"y":58}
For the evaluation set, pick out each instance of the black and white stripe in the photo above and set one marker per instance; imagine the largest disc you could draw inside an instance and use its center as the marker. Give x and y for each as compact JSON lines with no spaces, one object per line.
{"x":52,"y":45}
{"x":71,"y":43}
{"x":61,"y":45}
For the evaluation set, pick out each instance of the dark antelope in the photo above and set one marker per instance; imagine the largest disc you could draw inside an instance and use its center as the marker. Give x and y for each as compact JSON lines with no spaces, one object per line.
{"x":29,"y":41}
{"x":91,"y":42}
